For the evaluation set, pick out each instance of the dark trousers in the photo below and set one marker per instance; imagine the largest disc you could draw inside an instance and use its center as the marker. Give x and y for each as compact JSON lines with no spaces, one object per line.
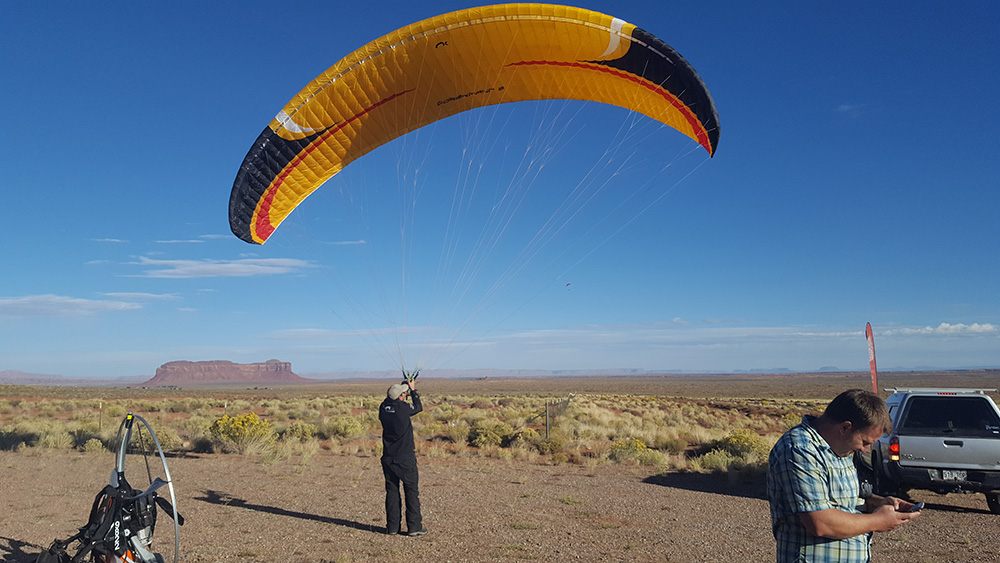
{"x":407,"y":474}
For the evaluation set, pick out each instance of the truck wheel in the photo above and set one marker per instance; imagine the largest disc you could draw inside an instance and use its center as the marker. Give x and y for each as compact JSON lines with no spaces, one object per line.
{"x":882,"y":484}
{"x":993,"y":501}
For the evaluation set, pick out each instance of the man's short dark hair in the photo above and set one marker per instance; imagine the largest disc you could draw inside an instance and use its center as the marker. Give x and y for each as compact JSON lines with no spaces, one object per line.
{"x":863,"y":409}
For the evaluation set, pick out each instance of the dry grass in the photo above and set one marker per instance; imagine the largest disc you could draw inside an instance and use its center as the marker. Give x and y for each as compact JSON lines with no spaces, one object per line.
{"x":663,"y":433}
{"x":705,"y":423}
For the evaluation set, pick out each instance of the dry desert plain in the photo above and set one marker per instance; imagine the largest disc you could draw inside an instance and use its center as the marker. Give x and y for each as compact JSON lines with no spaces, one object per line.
{"x":477,"y":508}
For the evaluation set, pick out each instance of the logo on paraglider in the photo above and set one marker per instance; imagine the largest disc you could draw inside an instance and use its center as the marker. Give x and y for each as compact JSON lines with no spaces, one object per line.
{"x":479,"y":92}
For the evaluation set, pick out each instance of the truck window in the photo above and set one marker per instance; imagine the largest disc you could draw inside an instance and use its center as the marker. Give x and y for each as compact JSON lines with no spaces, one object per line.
{"x":950,"y":416}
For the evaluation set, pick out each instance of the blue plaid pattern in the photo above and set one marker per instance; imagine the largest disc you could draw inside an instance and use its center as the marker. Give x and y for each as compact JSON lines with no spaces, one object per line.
{"x":804,"y":475}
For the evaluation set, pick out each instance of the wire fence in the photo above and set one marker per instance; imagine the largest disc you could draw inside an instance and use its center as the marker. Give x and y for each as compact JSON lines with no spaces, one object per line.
{"x":552,"y":410}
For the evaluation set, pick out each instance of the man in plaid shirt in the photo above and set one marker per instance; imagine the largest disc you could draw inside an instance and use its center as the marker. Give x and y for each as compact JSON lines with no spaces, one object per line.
{"x":813,"y":487}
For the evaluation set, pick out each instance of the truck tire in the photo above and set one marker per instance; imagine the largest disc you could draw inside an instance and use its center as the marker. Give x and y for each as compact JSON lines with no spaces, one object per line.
{"x":993,"y":501}
{"x":882,"y":483}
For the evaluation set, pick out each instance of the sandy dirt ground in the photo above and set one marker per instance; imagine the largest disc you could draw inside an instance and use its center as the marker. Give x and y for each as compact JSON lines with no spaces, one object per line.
{"x":476,"y":509}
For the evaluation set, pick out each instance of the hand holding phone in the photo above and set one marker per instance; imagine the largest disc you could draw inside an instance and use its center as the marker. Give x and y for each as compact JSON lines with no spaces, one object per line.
{"x":916,"y":507}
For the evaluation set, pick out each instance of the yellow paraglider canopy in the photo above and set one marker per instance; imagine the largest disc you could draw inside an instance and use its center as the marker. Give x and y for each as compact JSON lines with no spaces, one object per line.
{"x":448,"y":64}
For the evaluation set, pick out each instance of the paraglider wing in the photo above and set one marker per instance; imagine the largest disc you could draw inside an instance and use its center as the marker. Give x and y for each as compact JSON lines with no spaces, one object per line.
{"x":452,"y":63}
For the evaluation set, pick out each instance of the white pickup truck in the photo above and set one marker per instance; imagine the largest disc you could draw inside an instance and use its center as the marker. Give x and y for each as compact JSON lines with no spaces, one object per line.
{"x":943,"y":440}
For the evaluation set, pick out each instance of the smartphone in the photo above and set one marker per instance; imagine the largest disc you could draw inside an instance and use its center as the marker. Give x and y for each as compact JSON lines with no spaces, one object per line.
{"x":917,"y":507}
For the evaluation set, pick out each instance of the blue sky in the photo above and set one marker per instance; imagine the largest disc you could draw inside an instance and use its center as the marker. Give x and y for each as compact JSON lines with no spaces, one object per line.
{"x":856,"y":180}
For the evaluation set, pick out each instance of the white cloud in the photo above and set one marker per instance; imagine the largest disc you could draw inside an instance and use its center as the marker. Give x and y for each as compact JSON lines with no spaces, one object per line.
{"x":677,"y":333}
{"x":179,"y":241}
{"x":59,"y":305}
{"x":110,"y":240}
{"x":347,"y":242}
{"x":140,"y":296}
{"x":852,"y":110}
{"x":307,"y":333}
{"x":326,"y":333}
{"x":673,"y":336}
{"x":220,"y":268}
{"x":949,"y":329}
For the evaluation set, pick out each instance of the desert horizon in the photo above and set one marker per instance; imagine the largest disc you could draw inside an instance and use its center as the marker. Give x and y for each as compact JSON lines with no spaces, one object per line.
{"x":928,"y":377}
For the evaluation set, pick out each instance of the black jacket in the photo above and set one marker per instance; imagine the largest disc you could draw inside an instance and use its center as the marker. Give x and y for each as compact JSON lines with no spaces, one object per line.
{"x":397,"y":429}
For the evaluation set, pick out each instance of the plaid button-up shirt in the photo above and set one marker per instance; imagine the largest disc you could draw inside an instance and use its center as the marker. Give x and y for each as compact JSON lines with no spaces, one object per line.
{"x":804,"y":475}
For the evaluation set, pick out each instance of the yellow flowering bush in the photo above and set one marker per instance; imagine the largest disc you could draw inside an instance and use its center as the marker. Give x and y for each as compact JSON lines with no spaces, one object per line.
{"x":744,"y":444}
{"x":343,"y":427}
{"x":299,"y":431}
{"x":626,"y":448}
{"x":242,"y":434}
{"x":489,"y":433}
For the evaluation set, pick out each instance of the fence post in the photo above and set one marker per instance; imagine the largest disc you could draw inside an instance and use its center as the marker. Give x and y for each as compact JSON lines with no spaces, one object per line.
{"x":546,"y":420}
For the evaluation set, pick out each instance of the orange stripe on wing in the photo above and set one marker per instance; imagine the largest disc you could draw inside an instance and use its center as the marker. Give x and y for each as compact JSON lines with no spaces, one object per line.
{"x":262,"y":226}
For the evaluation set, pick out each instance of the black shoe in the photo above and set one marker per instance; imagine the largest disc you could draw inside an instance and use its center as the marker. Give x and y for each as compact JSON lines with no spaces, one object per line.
{"x":417,"y":533}
{"x":389,"y":532}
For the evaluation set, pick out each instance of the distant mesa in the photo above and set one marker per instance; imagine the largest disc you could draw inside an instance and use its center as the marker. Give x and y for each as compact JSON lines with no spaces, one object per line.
{"x":220,"y":372}
{"x":12,"y":377}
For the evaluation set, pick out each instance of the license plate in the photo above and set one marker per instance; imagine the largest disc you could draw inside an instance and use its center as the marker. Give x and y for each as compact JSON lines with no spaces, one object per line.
{"x":953,"y":475}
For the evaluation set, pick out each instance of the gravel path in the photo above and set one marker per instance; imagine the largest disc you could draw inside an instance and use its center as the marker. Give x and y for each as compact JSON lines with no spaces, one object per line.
{"x":476,"y":510}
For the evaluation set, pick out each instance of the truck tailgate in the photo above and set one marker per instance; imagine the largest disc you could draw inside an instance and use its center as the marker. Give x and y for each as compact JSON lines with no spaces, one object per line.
{"x":950,"y":452}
